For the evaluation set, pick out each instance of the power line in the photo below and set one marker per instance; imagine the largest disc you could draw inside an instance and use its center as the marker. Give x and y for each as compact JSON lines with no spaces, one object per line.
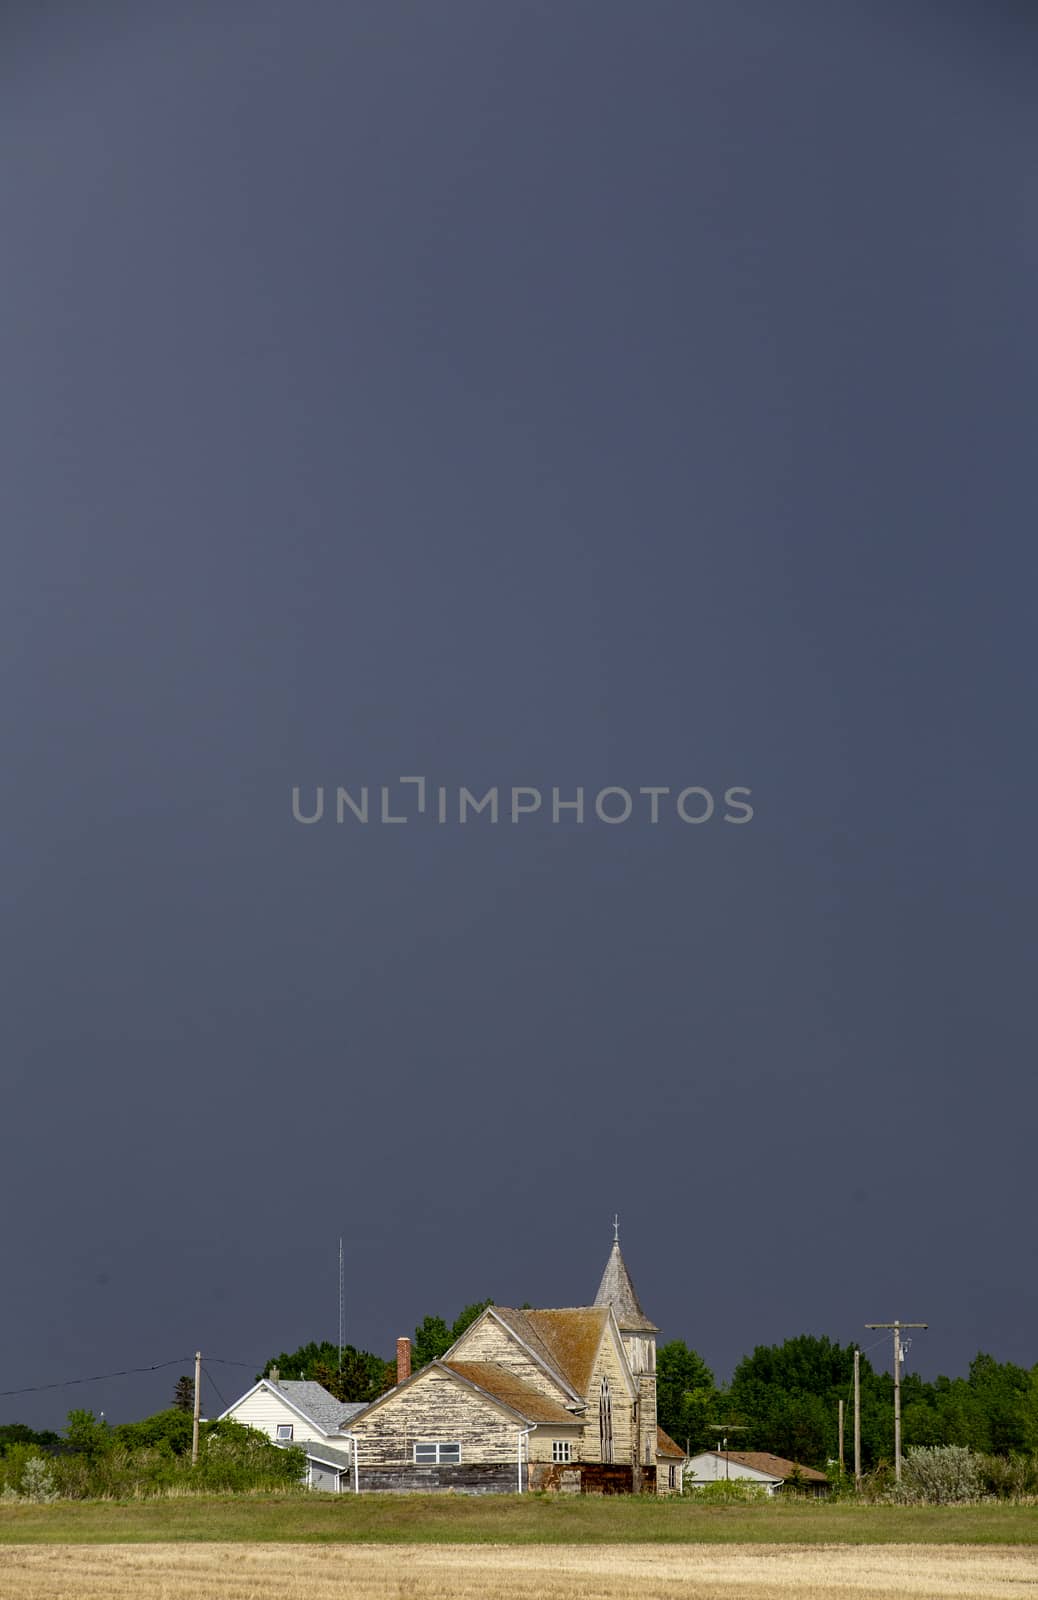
{"x":225,"y":1361}
{"x":126,"y":1372}
{"x":215,"y":1385}
{"x":99,"y":1377}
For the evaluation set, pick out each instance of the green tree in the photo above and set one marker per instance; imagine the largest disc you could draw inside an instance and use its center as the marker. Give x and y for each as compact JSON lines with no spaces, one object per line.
{"x":786,"y":1397}
{"x":184,"y":1394}
{"x":993,"y":1410}
{"x":167,"y":1430}
{"x":361,"y":1376}
{"x":686,"y":1395}
{"x":433,"y":1338}
{"x":21,"y":1433}
{"x":1003,"y":1397}
{"x":87,"y":1435}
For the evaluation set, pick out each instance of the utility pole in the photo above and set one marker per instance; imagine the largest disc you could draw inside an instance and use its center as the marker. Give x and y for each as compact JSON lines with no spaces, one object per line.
{"x":723,"y":1429}
{"x":898,"y":1358}
{"x":857,"y":1418}
{"x":839,"y":1427}
{"x":198,"y":1408}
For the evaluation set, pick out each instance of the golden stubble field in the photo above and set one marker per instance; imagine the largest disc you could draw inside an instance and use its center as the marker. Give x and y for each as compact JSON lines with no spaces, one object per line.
{"x":527,"y":1572}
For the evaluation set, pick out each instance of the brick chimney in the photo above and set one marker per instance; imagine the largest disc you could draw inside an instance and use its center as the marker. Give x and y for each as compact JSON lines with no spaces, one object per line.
{"x":403,"y":1359}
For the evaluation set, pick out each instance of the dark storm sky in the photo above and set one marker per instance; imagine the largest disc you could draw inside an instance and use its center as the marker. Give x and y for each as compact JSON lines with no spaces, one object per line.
{"x":571,"y":393}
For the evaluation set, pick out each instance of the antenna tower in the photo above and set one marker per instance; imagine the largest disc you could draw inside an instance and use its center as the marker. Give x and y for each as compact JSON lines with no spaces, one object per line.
{"x":342,"y":1308}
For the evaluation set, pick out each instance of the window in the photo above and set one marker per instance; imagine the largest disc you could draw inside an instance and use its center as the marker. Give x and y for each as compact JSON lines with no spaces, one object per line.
{"x":285,"y":1430}
{"x":605,"y":1422}
{"x":561,"y":1450}
{"x":437,"y":1454}
{"x":672,"y":1477}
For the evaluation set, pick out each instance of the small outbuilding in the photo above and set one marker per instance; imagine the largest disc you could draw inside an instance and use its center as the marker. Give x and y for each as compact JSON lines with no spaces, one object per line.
{"x":670,"y":1464}
{"x":770,"y":1472}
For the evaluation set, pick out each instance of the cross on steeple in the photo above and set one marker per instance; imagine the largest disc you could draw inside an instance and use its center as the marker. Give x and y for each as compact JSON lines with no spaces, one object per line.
{"x":617,"y":1291}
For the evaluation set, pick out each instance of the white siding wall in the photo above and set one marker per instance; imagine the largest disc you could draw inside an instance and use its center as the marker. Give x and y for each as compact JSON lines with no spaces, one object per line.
{"x":710,"y":1468}
{"x":264,"y":1410}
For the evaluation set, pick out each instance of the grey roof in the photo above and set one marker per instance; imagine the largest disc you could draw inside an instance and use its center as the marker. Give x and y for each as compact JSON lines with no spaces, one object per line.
{"x":314,"y":1401}
{"x":617,"y":1290}
{"x":325,"y":1453}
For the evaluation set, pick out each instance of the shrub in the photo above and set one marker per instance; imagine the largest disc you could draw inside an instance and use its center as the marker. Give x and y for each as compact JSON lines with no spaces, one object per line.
{"x":1012,"y":1477}
{"x":27,"y":1474}
{"x":939,"y":1475}
{"x":841,"y":1483}
{"x":136,"y":1460}
{"x":38,"y":1482}
{"x":237,"y":1457}
{"x":727,"y":1492}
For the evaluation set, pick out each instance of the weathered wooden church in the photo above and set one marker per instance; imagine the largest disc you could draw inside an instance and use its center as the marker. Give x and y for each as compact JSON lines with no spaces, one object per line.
{"x":556,"y":1399}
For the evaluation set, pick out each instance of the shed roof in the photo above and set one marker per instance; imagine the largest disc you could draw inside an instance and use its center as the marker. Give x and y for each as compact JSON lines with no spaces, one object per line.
{"x":773,"y":1466}
{"x":665,"y":1445}
{"x":326,"y":1454}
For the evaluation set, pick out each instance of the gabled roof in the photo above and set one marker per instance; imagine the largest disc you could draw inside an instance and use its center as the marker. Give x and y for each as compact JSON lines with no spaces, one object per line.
{"x":502,"y":1384}
{"x":315,"y":1402}
{"x":566,"y":1340}
{"x":617,"y":1291}
{"x":496,"y":1385}
{"x":771,"y":1466}
{"x":308,"y":1400}
{"x":665,"y":1445}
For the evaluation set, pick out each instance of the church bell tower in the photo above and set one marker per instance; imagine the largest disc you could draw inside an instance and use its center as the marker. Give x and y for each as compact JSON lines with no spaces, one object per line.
{"x":639,"y":1337}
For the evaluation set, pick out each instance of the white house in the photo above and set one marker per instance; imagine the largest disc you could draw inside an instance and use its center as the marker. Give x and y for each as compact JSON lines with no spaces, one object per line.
{"x":770,"y":1472}
{"x":301,"y":1413}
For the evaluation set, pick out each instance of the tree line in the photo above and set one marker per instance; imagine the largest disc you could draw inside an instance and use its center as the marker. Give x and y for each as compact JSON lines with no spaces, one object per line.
{"x":782,"y":1398}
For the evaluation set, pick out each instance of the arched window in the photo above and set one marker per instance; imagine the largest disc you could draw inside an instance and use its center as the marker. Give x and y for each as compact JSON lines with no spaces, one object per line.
{"x":605,"y":1421}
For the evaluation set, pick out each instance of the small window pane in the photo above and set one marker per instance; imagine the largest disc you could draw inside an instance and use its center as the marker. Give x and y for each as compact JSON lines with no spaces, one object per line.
{"x":444,"y":1452}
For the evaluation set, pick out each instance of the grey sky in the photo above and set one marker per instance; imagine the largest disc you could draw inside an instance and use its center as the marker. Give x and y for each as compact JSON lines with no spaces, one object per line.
{"x":548,"y":394}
